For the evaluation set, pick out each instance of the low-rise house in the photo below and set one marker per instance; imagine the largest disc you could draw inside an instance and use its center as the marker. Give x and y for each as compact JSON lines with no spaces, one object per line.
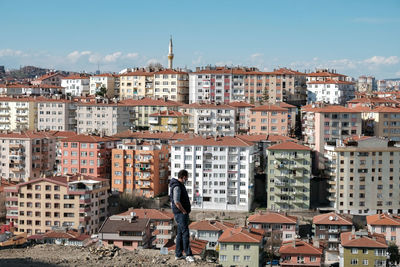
{"x":327,"y":229}
{"x":362,"y":249}
{"x":125,"y":231}
{"x":300,"y":253}
{"x":275,"y":225}
{"x":209,"y":230}
{"x":67,"y":238}
{"x":162,"y":226}
{"x":197,"y":246}
{"x":240,"y":247}
{"x":386,"y":224}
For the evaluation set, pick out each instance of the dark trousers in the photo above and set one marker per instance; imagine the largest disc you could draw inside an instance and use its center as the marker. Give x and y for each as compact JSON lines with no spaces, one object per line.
{"x":182,"y":236}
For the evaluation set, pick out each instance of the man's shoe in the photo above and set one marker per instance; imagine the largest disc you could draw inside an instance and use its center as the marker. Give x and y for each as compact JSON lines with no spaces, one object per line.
{"x":180,"y":257}
{"x":189,"y":259}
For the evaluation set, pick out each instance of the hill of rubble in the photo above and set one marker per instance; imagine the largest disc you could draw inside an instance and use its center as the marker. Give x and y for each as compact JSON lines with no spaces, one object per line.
{"x":46,"y":255}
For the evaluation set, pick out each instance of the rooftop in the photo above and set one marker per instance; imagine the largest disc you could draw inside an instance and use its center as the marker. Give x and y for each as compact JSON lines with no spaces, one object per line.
{"x":363,"y":240}
{"x":215,"y":141}
{"x":383,"y":219}
{"x":269,"y":107}
{"x":272,"y":217}
{"x":299,"y":247}
{"x":331,"y":218}
{"x":240,"y":235}
{"x":151,"y":214}
{"x":210,"y":225}
{"x":289,"y":145}
{"x":112,"y":225}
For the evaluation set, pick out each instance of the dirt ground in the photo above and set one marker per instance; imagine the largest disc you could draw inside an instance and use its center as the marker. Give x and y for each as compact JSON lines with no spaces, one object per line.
{"x":56,"y":255}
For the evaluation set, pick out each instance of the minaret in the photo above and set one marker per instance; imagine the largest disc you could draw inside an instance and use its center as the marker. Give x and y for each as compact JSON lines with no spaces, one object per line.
{"x":170,"y":54}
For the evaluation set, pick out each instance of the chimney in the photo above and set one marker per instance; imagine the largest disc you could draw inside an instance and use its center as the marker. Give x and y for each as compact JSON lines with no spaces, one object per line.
{"x":316,"y":243}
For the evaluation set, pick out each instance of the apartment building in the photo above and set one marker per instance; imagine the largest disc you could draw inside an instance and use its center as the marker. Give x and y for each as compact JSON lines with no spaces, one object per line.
{"x":26,"y":155}
{"x":327,"y":228}
{"x":324,"y":75}
{"x":223,"y":84}
{"x":105,"y":117}
{"x":276,"y":225}
{"x":76,"y":85}
{"x":301,"y":253}
{"x":269,"y":119}
{"x":18,"y":114}
{"x":216,"y":84}
{"x":168,"y":121}
{"x":289,"y":176}
{"x":105,"y":80}
{"x":221,"y":171}
{"x":382,"y":121}
{"x":362,"y":249}
{"x":326,"y":124}
{"x":27,"y":89}
{"x":286,"y":85}
{"x":136,"y":84}
{"x":162,"y":226}
{"x":172,"y":85}
{"x":387,"y":225}
{"x":330,"y":91}
{"x":242,"y":115}
{"x":366,"y":84}
{"x":56,"y":114}
{"x":363,"y":176}
{"x":140,"y":167}
{"x":51,"y":78}
{"x":146,"y":106}
{"x":210,"y":119}
{"x":88,"y":155}
{"x":241,"y":247}
{"x":78,"y":202}
{"x":209,"y":230}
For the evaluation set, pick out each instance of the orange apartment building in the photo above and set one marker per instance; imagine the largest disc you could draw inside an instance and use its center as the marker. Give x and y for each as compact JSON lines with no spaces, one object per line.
{"x":269,"y":119}
{"x":78,"y":202}
{"x":88,"y":155}
{"x":140,"y":167}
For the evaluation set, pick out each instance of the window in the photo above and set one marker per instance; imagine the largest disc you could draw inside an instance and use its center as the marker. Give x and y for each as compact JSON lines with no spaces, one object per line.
{"x":223,"y":246}
{"x":236,"y":247}
{"x":354,"y":262}
{"x":236,"y":258}
{"x":354,"y":251}
{"x":246,"y":258}
{"x":222,"y":257}
{"x":313,"y":258}
{"x":246,"y":246}
{"x":365,"y":262}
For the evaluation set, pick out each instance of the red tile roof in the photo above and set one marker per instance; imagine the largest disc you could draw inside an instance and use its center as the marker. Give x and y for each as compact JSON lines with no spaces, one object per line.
{"x":169,"y":71}
{"x":241,"y":104}
{"x":151,"y":102}
{"x":383,"y":219}
{"x":370,"y":241}
{"x":76,"y":77}
{"x":299,"y":247}
{"x":210,"y":225}
{"x":106,"y":75}
{"x":279,"y":138}
{"x":154,"y":135}
{"x":138,"y":73}
{"x":89,"y":139}
{"x":269,"y":107}
{"x":47,"y":76}
{"x":284,"y":105}
{"x":331,"y":218}
{"x":62,"y":180}
{"x":196,"y":245}
{"x":239,"y":235}
{"x":167,"y":113}
{"x":329,"y":109}
{"x":212,"y":141}
{"x":324,"y":74}
{"x":272,"y":217}
{"x":329,"y":81}
{"x":373,"y":100}
{"x":382,"y":109}
{"x":26,"y":135}
{"x":151,"y":214}
{"x":289,"y":145}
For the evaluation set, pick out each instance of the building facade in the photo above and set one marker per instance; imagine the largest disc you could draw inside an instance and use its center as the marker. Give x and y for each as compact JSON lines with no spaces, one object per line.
{"x":289,"y":176}
{"x":76,"y":85}
{"x":209,"y":230}
{"x":77,"y":202}
{"x":221,"y":171}
{"x":106,"y":81}
{"x":387,"y":225}
{"x":172,"y":85}
{"x":56,"y":114}
{"x":300,"y":253}
{"x":140,"y":168}
{"x":330,"y":91}
{"x":168,"y":121}
{"x":269,"y":119}
{"x":18,"y":113}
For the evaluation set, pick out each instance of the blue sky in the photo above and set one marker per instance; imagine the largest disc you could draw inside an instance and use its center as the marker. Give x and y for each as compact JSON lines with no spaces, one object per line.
{"x":354,"y":37}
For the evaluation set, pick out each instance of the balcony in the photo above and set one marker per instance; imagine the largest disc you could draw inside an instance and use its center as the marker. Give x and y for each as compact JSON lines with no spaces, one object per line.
{"x":334,"y":230}
{"x":333,"y":239}
{"x":15,"y":146}
{"x":164,"y":227}
{"x":280,"y":184}
{"x":145,"y":187}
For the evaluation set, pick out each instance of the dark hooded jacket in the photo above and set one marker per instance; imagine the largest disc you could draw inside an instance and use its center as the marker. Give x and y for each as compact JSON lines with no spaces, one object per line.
{"x":184,"y":197}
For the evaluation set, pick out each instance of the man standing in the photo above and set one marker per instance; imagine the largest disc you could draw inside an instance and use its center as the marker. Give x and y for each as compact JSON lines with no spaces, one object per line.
{"x":181,"y":208}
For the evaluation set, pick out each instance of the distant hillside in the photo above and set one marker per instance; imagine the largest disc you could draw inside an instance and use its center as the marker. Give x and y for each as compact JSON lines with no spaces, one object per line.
{"x":28,"y":72}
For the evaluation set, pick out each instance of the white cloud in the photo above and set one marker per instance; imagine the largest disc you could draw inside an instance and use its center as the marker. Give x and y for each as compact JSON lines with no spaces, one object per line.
{"x":112,"y":57}
{"x":76,"y":55}
{"x":379,"y":60}
{"x":132,"y":55}
{"x":256,"y":56}
{"x":11,"y":53}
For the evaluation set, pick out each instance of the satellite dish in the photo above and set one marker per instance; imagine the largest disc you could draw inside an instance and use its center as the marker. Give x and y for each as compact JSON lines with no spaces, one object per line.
{"x":330,"y":218}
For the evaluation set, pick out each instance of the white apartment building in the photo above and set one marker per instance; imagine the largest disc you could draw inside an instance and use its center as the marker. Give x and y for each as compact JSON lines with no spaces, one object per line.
{"x":217,"y":84}
{"x":364,"y":176}
{"x":211,"y":119}
{"x":104,"y":117}
{"x":56,"y":114}
{"x":172,"y":85}
{"x":221,"y":171}
{"x":18,"y":113}
{"x":330,"y":91}
{"x":106,"y":80}
{"x":76,"y":85}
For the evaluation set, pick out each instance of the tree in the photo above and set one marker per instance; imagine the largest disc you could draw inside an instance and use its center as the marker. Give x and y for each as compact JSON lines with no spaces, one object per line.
{"x":102,"y":91}
{"x":394,"y":255}
{"x":272,"y":245}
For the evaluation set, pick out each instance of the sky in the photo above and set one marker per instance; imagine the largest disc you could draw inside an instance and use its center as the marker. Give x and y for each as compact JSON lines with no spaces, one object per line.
{"x":355,"y":37}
